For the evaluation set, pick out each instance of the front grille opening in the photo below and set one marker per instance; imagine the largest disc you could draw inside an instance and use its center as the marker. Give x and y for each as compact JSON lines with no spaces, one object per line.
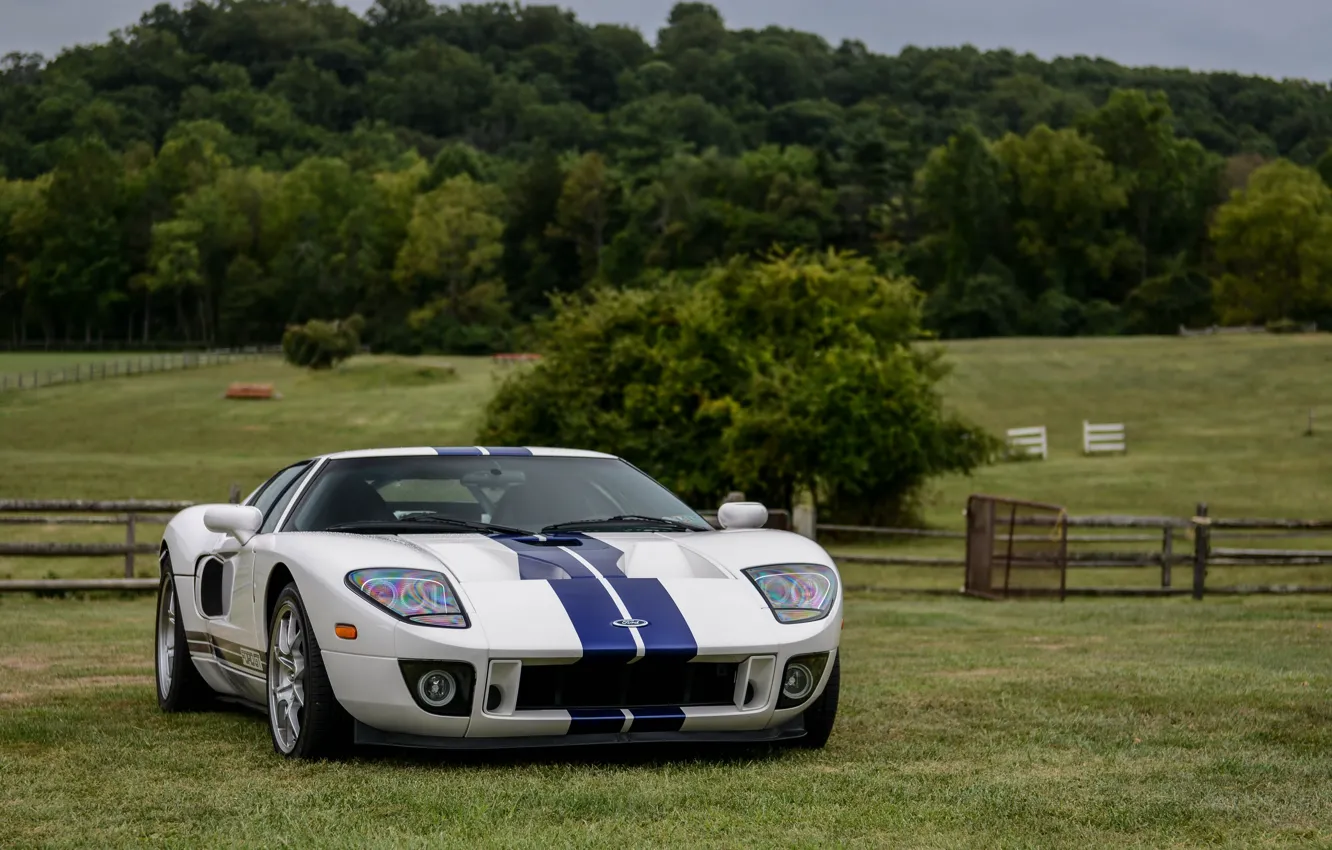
{"x":643,"y":684}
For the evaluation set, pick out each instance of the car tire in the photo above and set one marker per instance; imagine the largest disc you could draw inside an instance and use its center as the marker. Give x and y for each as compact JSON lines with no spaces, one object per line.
{"x":180,"y":686}
{"x":305,"y":720}
{"x":822,"y":713}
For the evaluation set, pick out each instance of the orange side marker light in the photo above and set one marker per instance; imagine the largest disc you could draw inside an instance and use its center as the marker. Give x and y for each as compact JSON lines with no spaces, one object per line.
{"x":346,"y":631}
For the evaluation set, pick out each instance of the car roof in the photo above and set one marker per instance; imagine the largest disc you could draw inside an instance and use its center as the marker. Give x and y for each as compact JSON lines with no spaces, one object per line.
{"x":497,"y":451}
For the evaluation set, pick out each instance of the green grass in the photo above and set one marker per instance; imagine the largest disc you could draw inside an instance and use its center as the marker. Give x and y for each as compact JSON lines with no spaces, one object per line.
{"x":1089,"y":723}
{"x":1217,"y":419}
{"x":963,"y":724}
{"x":1210,"y":419}
{"x":173,"y":435}
{"x":14,"y":362}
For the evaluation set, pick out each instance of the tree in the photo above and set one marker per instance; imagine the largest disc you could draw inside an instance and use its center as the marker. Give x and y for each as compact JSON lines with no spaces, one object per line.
{"x":1169,"y":183}
{"x":962,"y":201}
{"x":449,"y":261}
{"x":1065,"y":193}
{"x":175,"y":268}
{"x":778,"y":375}
{"x":77,"y":261}
{"x":584,"y":210}
{"x":1274,"y":244}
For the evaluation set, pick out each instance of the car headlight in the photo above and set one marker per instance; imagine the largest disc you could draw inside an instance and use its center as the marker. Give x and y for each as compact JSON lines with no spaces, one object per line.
{"x":422,"y":597}
{"x":796,"y":593}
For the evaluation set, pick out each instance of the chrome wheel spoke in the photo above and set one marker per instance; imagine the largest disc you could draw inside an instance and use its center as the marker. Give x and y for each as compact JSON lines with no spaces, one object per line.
{"x":166,"y":640}
{"x":286,"y":678}
{"x":293,"y":720}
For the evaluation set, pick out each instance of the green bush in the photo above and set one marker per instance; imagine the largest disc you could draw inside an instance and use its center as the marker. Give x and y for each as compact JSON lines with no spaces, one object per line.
{"x":1286,"y":326}
{"x":322,"y":345}
{"x":774,"y":377}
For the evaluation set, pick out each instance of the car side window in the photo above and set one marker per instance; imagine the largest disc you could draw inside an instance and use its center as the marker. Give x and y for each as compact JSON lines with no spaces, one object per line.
{"x":275,"y":495}
{"x":274,"y":514}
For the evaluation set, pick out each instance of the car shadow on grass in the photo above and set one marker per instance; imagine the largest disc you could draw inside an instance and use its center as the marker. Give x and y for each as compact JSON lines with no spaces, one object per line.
{"x":649,"y":755}
{"x":646,"y":755}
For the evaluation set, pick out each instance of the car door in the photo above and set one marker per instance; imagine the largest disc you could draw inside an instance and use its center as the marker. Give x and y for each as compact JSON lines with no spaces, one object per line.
{"x":227,"y":594}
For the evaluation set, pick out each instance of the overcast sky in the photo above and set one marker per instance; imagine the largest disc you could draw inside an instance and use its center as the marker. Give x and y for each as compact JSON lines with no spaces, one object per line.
{"x":1280,"y":38}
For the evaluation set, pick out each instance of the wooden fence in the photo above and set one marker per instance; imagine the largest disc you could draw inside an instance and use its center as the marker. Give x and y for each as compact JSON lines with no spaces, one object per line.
{"x":1182,"y":542}
{"x":130,"y":514}
{"x":1189,"y":544}
{"x":142,"y":364}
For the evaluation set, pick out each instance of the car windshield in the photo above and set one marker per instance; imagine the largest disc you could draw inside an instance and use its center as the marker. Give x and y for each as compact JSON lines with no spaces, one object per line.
{"x":453,"y":494}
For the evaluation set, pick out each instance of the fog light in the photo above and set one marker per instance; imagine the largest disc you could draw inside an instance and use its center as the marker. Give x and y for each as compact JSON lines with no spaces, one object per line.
{"x":799,"y":682}
{"x":437,"y":688}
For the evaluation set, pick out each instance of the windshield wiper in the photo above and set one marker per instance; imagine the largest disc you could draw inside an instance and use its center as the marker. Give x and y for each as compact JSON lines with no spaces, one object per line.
{"x":382,"y":526}
{"x":625,"y":519}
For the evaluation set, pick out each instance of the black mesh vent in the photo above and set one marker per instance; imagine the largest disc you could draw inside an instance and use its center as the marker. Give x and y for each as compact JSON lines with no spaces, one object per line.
{"x":645,"y":683}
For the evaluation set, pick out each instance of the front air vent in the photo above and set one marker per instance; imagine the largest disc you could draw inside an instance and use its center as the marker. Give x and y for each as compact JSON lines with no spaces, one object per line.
{"x":643,"y":684}
{"x":211,"y":602}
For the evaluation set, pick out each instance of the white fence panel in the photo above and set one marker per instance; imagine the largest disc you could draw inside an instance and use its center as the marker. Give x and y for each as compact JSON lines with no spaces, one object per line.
{"x":1029,"y":442}
{"x":1103,"y":439}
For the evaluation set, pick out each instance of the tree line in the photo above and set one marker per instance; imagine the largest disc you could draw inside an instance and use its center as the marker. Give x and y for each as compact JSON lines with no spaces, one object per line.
{"x":221,"y":170}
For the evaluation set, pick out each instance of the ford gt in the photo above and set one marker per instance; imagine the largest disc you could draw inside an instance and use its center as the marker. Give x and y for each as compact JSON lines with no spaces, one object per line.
{"x":475,"y":597}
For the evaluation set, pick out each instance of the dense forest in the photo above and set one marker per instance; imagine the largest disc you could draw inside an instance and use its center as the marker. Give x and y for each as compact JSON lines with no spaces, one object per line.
{"x":220,"y":170}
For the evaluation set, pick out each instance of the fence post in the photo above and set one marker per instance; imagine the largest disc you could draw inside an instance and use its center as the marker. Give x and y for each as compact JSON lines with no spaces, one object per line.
{"x":129,"y":546}
{"x":1201,"y":546}
{"x":1167,"y":554}
{"x":235,"y":495}
{"x":804,"y":517}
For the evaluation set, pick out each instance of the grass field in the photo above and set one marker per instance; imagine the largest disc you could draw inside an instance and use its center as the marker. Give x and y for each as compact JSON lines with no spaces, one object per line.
{"x":1091,"y":723}
{"x":1217,"y":419}
{"x":14,"y":362}
{"x":964,"y":724}
{"x":1210,"y":419}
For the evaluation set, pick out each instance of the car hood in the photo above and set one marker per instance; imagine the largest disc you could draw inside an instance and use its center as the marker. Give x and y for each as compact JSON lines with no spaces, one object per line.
{"x":476,"y":559}
{"x":561,"y":596}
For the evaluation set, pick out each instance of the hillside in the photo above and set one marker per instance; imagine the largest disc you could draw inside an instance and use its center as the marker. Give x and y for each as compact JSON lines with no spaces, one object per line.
{"x":219,"y":170}
{"x":1215,"y":419}
{"x":1210,"y":419}
{"x":1218,"y":419}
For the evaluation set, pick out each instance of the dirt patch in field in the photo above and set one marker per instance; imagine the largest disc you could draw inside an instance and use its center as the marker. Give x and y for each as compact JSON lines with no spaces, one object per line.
{"x":24,"y":664}
{"x":976,"y":673}
{"x":38,"y":691}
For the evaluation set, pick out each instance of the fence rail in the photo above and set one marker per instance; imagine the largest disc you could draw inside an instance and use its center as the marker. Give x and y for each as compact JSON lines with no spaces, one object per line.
{"x":141,"y":365}
{"x":129,"y":513}
{"x":1197,"y":552}
{"x":1180,"y":542}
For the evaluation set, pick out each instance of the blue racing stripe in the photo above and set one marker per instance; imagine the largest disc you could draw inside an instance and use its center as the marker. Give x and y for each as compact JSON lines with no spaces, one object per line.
{"x":667,"y":633}
{"x":666,"y":718}
{"x":546,"y":561}
{"x":459,"y":452}
{"x":598,"y":553}
{"x":509,"y":452}
{"x":592,"y":611}
{"x":590,"y":721}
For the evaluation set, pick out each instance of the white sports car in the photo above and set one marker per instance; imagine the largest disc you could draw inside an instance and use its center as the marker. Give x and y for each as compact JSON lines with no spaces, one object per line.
{"x":475,"y":598}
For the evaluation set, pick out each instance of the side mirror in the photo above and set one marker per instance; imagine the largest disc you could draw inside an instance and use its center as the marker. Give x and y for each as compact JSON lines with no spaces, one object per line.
{"x":240,"y":521}
{"x":742,"y":515}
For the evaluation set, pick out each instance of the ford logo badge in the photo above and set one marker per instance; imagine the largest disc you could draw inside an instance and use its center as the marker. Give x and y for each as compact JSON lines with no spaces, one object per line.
{"x":629,"y":623}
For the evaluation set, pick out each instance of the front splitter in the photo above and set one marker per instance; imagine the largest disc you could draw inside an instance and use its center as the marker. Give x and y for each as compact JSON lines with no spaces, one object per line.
{"x":370,"y":736}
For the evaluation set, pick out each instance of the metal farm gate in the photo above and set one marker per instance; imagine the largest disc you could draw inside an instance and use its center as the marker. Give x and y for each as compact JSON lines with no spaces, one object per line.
{"x":1015,"y":548}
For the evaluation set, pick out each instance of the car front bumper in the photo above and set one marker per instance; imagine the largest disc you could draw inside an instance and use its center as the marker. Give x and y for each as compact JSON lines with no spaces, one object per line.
{"x":374,"y":691}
